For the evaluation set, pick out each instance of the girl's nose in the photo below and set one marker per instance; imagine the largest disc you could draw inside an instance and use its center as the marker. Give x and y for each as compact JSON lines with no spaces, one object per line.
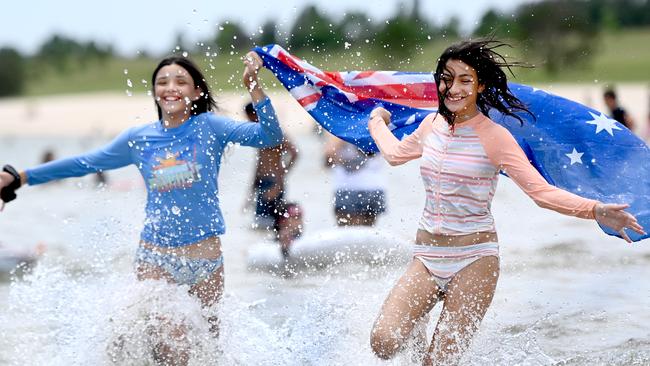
{"x":452,"y":90}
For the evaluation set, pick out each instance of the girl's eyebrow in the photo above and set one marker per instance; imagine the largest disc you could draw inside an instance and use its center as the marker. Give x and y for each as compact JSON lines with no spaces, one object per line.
{"x":460,"y":75}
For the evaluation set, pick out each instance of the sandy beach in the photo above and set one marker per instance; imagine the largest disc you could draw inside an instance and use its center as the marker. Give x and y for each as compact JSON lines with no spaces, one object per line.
{"x":106,"y":114}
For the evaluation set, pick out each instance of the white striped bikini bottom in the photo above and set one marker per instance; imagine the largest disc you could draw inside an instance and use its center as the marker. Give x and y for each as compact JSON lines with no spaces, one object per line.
{"x":443,"y":263}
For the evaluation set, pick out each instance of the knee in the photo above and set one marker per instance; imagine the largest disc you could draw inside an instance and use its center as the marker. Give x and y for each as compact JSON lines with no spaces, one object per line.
{"x":384,"y":344}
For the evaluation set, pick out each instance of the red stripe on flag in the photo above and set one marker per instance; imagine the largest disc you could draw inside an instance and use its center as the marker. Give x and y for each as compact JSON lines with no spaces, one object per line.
{"x":290,"y":62}
{"x":364,"y":74}
{"x":309,"y":99}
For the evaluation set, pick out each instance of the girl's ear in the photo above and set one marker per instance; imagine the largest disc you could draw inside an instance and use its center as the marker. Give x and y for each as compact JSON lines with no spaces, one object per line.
{"x":481,"y":87}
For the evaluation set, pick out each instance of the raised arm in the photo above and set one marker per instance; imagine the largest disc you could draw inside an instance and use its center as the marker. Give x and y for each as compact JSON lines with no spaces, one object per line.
{"x":504,"y":152}
{"x":397,"y":152}
{"x":267,"y":132}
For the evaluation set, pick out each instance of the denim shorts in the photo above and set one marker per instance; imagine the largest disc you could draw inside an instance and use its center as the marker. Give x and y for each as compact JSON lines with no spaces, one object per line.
{"x":184,"y":271}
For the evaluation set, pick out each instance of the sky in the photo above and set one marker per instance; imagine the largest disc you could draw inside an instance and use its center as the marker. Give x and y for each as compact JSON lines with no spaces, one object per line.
{"x":152,"y":26}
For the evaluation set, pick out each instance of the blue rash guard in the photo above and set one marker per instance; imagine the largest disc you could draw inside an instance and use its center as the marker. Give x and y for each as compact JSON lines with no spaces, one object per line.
{"x":180,"y":167}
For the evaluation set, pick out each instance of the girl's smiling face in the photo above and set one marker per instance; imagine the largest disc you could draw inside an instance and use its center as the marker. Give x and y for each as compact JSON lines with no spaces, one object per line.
{"x":174,"y":91}
{"x":459,"y":84}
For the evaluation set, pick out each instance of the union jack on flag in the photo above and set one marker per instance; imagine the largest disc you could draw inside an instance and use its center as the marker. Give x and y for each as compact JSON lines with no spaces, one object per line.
{"x":573,"y":146}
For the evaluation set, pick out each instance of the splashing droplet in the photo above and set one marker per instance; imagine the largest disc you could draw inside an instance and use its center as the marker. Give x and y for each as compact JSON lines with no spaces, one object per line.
{"x":176,"y":211}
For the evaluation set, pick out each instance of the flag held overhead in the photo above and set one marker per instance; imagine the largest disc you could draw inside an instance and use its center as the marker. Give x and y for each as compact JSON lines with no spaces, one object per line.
{"x":574,"y":147}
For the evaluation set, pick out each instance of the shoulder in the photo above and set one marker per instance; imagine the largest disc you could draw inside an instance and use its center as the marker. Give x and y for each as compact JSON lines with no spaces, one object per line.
{"x":492,"y":130}
{"x":143,"y":129}
{"x":497,"y":141}
{"x":433,"y":121}
{"x":216,"y":121}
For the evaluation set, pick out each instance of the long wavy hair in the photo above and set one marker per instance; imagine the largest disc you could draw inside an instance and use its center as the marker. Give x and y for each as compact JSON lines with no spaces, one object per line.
{"x":206,"y":102}
{"x":489,"y":64}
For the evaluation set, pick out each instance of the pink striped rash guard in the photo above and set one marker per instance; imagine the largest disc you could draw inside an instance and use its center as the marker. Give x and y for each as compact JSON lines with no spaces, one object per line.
{"x":460,"y":169}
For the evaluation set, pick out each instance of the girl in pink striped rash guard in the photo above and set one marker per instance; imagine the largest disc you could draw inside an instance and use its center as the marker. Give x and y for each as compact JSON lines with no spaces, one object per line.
{"x":456,"y":252}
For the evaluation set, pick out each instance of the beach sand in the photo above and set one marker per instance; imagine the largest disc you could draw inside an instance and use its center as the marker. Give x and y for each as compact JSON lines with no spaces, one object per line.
{"x":106,"y":114}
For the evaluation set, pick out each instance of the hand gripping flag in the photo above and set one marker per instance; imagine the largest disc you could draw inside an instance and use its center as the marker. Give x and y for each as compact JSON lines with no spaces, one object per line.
{"x":573,"y":146}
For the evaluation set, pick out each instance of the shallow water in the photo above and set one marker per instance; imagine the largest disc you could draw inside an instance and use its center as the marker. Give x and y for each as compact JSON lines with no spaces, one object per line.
{"x":567,"y":293}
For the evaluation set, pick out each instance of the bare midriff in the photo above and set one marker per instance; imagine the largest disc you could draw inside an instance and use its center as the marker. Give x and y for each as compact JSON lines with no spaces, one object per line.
{"x":424,"y":237}
{"x":209,"y":248}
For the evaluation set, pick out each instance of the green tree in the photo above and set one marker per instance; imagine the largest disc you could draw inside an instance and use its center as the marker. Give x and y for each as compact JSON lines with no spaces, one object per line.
{"x":314,"y":31}
{"x":493,"y":23}
{"x":58,"y":51}
{"x":401,"y":37}
{"x":452,"y":28}
{"x":558,"y":33}
{"x":12,"y":72}
{"x":231,"y":37}
{"x":62,"y":52}
{"x":631,"y":13}
{"x":356,"y":27}
{"x":269,"y":34}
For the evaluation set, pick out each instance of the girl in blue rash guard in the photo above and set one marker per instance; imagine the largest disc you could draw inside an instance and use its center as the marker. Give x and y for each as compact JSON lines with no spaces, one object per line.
{"x":179,"y":158}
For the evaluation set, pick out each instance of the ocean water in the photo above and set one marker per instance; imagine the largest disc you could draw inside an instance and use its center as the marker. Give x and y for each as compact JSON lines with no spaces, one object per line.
{"x":567,"y":294}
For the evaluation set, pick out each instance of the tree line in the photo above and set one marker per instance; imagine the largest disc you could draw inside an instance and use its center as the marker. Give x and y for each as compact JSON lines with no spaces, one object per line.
{"x":557,"y":33}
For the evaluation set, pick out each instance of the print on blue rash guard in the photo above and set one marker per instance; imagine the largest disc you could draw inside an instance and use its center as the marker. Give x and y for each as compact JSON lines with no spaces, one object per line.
{"x":180,"y":167}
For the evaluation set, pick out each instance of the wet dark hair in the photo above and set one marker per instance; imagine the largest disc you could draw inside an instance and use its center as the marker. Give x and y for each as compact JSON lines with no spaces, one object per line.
{"x":481,"y":55}
{"x":205,"y":103}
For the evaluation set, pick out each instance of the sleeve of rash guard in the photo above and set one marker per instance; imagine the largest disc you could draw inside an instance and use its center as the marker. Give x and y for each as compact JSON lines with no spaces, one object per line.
{"x":504,"y":152}
{"x":265,"y":133}
{"x":398,"y":152}
{"x":114,"y":155}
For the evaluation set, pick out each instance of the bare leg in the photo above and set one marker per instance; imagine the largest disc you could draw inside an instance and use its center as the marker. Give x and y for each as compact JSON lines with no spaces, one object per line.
{"x":168,"y":355}
{"x":412,"y":297}
{"x":210,"y":291}
{"x":151,"y":272}
{"x":164,"y":353}
{"x":467,"y":299}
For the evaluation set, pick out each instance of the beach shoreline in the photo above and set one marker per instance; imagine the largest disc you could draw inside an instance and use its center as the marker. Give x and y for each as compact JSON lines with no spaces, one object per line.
{"x":105,"y":114}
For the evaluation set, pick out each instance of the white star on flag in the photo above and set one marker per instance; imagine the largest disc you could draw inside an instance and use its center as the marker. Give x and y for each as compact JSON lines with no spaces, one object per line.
{"x":575,"y":156}
{"x":410,"y":120}
{"x":603,"y":123}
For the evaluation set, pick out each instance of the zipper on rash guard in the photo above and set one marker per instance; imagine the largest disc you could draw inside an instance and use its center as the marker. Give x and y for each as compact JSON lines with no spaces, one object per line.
{"x":440,"y":166}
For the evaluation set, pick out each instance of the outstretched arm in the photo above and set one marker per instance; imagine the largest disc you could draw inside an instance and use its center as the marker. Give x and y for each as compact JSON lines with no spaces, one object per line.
{"x":504,"y":152}
{"x":114,"y":155}
{"x":10,"y":181}
{"x":612,"y":215}
{"x":397,"y":152}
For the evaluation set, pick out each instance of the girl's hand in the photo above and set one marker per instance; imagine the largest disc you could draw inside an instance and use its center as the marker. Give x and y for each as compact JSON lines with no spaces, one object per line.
{"x":382,"y":113}
{"x":613,"y":216}
{"x":5,"y":180}
{"x":253,"y":63}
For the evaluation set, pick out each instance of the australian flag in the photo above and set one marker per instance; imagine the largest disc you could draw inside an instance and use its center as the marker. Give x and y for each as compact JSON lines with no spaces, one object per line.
{"x":573,"y":146}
